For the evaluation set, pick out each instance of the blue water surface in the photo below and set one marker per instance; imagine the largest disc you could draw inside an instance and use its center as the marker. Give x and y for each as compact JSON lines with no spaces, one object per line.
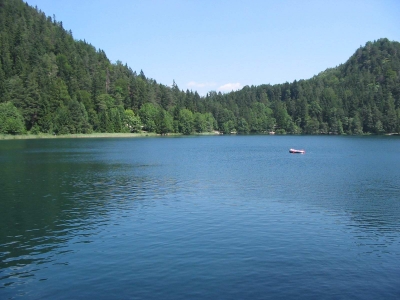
{"x":218,"y":217}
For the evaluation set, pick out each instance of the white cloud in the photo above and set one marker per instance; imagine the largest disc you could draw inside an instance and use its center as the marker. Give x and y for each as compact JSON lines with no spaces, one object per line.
{"x":230,"y":87}
{"x":193,"y":84}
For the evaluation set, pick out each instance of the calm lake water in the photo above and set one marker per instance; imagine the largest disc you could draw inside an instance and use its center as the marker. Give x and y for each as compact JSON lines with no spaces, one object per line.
{"x":219,"y":217}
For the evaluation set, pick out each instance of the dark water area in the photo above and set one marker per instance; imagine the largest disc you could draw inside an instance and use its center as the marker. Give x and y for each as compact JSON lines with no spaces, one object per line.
{"x":220,"y":217}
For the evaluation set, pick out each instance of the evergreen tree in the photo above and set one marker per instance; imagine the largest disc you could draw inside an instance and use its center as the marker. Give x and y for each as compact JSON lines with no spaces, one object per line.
{"x":164,"y":122}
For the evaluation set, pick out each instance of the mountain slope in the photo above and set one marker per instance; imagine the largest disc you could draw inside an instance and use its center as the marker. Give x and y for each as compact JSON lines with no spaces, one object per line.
{"x":61,"y":85}
{"x":360,"y":96}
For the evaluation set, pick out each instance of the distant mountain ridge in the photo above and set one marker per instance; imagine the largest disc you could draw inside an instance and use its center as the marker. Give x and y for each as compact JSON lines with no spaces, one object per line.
{"x":51,"y":83}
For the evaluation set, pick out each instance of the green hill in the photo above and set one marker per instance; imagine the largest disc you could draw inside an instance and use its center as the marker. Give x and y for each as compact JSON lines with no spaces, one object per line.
{"x":51,"y":83}
{"x":360,"y":96}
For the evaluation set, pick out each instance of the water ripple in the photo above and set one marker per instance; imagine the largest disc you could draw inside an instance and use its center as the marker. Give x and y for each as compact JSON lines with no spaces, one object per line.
{"x":226,"y":218}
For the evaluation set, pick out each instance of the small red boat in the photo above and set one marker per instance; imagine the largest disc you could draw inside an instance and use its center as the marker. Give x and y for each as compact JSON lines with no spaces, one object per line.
{"x":297,"y":151}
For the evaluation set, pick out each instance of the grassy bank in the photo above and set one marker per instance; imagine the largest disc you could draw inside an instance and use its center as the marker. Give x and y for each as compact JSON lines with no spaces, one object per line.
{"x":91,"y":135}
{"x":74,"y":136}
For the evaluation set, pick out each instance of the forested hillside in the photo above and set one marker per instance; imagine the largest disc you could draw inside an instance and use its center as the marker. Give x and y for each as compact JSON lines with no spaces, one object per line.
{"x":360,"y":96}
{"x":51,"y":83}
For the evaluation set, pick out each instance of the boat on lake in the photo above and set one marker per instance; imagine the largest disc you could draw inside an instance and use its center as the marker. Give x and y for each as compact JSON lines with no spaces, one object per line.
{"x":297,"y":151}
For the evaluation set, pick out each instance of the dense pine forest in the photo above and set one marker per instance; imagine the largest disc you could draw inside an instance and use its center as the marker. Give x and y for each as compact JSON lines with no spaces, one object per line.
{"x":51,"y":83}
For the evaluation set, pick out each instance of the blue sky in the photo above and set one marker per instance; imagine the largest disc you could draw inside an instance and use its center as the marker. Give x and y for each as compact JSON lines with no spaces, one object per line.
{"x":224,"y":45}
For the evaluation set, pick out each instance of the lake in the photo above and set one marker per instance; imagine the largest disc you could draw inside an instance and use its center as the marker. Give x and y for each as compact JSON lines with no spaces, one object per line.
{"x":212,"y":217}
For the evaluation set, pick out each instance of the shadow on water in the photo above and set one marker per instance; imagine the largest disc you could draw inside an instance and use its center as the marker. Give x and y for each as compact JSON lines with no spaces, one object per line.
{"x":56,"y":195}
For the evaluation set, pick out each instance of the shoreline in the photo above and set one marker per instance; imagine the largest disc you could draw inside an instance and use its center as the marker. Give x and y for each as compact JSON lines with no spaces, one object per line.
{"x":121,"y":135}
{"x":91,"y":135}
{"x":74,"y":136}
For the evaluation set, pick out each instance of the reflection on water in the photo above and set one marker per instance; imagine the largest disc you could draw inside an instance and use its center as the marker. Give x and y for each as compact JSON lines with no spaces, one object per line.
{"x":207,"y":217}
{"x":55,"y":197}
